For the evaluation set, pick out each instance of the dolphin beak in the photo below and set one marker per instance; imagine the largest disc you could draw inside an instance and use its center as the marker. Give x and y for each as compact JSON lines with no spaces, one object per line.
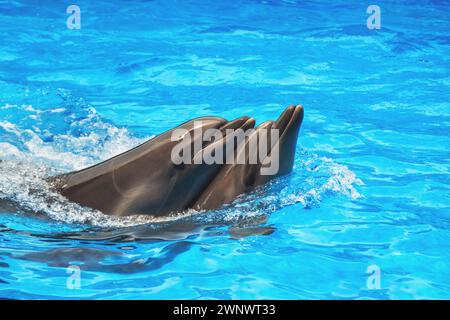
{"x":290,"y":120}
{"x":239,"y":123}
{"x":289,"y":124}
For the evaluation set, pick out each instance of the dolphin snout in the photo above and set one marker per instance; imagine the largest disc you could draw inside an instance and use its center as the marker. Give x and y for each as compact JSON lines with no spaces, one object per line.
{"x":290,"y":119}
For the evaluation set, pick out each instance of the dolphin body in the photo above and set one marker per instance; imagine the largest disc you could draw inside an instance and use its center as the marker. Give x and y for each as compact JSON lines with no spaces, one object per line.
{"x":144,"y":180}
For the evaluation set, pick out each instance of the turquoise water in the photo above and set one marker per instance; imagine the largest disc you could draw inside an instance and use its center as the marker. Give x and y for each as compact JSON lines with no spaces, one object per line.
{"x":370,"y":185}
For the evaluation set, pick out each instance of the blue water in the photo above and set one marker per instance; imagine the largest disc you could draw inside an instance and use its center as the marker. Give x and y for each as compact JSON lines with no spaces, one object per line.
{"x":370,"y":185}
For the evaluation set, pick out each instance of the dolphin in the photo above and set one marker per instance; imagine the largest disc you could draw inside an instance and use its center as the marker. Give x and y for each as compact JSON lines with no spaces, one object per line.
{"x":145,"y":180}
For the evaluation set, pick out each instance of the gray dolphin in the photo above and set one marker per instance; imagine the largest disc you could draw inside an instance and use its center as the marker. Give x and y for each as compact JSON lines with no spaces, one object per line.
{"x":145,"y":180}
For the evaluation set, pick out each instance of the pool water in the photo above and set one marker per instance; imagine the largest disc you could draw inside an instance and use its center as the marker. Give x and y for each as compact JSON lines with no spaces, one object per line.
{"x":369,"y":191}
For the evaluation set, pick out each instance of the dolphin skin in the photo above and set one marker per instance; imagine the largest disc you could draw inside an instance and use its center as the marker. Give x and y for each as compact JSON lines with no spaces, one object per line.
{"x":145,"y":179}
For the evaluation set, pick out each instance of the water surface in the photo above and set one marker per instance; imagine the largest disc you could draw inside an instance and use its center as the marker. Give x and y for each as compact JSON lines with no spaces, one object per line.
{"x":371,"y":179}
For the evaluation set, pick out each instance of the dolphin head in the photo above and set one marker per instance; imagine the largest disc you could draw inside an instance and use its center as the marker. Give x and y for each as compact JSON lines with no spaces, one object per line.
{"x":237,"y":178}
{"x":151,"y":179}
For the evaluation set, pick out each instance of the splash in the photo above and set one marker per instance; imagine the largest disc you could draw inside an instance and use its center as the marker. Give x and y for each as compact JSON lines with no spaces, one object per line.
{"x":323,"y":176}
{"x":37,"y":143}
{"x":312,"y":179}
